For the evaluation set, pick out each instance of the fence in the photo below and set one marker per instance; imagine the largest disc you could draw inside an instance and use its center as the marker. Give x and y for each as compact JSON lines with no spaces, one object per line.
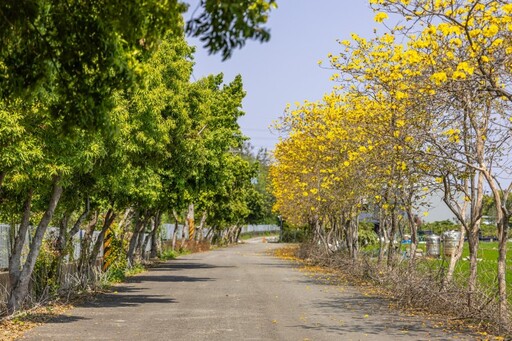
{"x":4,"y":246}
{"x":260,"y":228}
{"x":168,"y":230}
{"x":165,"y":234}
{"x":52,"y":232}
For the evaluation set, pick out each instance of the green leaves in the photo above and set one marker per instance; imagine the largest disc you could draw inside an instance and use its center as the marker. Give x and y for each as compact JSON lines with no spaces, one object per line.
{"x":226,"y":25}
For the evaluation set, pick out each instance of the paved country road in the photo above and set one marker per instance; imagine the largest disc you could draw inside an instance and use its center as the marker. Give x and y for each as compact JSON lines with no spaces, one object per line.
{"x":236,"y":293}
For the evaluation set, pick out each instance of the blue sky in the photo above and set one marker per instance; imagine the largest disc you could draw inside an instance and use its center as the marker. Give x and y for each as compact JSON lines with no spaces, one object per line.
{"x":285,"y":70}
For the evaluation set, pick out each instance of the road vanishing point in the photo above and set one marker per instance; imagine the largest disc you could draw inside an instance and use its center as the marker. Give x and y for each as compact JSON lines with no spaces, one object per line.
{"x":236,"y":293}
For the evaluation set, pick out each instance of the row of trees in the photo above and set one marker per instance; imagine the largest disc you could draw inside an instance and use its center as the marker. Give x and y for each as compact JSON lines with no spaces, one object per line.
{"x":423,"y":107}
{"x":101,"y":126}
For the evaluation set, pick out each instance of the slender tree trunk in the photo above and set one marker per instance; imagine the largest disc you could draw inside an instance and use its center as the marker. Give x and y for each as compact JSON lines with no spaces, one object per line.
{"x":383,"y":236}
{"x":65,"y":237}
{"x":502,"y":269}
{"x":76,"y":226}
{"x":110,"y":216}
{"x":391,"y":248}
{"x":502,"y":217}
{"x":477,"y":194}
{"x":319,"y":233}
{"x":124,"y":224}
{"x":154,"y":235}
{"x":191,"y":222}
{"x":139,"y":225}
{"x":19,"y":291}
{"x":139,"y":250}
{"x":354,"y":237}
{"x":85,"y":249}
{"x":183,"y":237}
{"x":414,"y":234}
{"x":60,"y":247}
{"x":237,"y":234}
{"x":147,"y":238}
{"x":200,"y":229}
{"x":174,"y":235}
{"x":457,"y":253}
{"x":209,"y":234}
{"x":473,"y":265}
{"x":15,"y":258}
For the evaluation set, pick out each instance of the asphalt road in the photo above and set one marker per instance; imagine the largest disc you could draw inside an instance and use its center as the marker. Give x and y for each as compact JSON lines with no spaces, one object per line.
{"x":236,"y":293}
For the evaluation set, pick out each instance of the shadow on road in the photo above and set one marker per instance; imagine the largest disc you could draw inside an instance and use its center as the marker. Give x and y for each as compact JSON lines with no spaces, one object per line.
{"x":126,"y":300}
{"x":185,"y":266}
{"x":373,"y":329}
{"x":160,"y":278}
{"x":369,"y":315}
{"x":277,"y":265}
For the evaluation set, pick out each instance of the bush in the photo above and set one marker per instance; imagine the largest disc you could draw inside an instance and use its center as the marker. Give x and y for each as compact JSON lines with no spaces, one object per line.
{"x":293,"y":236}
{"x":438,"y":227}
{"x":367,"y":237}
{"x":169,"y":254}
{"x":45,"y":282}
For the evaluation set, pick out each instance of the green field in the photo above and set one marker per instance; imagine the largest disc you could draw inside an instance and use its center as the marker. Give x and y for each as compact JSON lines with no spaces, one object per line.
{"x":487,"y":266}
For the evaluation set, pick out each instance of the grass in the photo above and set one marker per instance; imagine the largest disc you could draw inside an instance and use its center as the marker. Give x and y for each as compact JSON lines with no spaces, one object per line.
{"x":173,"y":254}
{"x":487,"y":267}
{"x":249,"y":235}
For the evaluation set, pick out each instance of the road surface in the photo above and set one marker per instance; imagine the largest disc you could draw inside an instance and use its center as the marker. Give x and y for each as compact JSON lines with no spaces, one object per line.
{"x":235,"y":293}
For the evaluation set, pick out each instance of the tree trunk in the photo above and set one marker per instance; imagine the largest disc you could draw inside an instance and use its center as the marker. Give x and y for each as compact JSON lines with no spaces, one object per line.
{"x":76,"y":227}
{"x":85,"y":246}
{"x":110,"y":216}
{"x":237,"y":234}
{"x":414,"y":235}
{"x":502,"y":269}
{"x":455,"y":256}
{"x":383,"y":236}
{"x":60,"y":247}
{"x":473,"y":265}
{"x":191,"y":222}
{"x":139,"y":225}
{"x":174,"y":235}
{"x":124,"y":224}
{"x":319,"y":233}
{"x":502,"y":217}
{"x":354,"y":236}
{"x":139,"y":250}
{"x":473,"y":231}
{"x":200,"y":229}
{"x":19,"y":288}
{"x":209,"y":234}
{"x":391,"y":248}
{"x":65,"y":237}
{"x":154,"y":235}
{"x":15,"y":258}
